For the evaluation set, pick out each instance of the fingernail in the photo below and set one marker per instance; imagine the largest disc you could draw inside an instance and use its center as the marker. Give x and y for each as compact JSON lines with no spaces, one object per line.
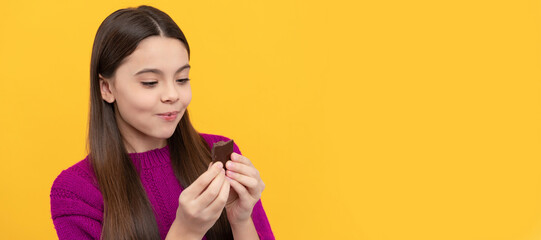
{"x":230,"y":173}
{"x":218,"y":165}
{"x":229,"y":164}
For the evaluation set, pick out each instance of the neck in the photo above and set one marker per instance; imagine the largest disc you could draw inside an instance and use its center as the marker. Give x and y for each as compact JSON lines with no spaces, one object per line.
{"x":140,"y":145}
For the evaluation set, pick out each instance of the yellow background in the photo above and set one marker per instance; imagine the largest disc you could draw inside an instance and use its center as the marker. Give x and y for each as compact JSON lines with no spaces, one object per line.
{"x":370,"y":120}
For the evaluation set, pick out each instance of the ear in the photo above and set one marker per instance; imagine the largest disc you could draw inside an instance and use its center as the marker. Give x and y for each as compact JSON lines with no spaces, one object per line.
{"x":105,"y":87}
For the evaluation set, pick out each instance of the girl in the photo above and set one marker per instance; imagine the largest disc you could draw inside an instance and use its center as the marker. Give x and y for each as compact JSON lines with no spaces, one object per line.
{"x":148,"y":174}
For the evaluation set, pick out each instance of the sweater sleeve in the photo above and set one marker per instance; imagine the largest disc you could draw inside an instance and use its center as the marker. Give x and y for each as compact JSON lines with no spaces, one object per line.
{"x":259,"y":217}
{"x":76,"y":206}
{"x":261,"y":222}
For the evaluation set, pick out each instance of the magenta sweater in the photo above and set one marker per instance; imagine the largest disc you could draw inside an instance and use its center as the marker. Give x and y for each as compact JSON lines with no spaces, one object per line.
{"x":77,"y":203}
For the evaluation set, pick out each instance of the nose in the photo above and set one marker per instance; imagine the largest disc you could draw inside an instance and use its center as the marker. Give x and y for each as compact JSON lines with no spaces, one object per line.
{"x":170,"y":93}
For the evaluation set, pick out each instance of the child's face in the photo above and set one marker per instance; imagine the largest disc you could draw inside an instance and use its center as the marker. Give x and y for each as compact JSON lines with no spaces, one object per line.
{"x":146,"y":85}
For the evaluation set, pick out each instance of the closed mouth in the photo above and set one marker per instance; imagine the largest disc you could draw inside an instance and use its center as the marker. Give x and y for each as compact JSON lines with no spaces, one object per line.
{"x":168,"y":113}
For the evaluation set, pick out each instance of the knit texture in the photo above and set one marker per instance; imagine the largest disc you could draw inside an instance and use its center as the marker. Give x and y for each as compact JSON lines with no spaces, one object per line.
{"x":77,"y":203}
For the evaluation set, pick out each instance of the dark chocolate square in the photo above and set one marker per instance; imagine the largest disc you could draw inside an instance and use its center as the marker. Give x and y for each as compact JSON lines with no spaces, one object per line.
{"x":221,"y":151}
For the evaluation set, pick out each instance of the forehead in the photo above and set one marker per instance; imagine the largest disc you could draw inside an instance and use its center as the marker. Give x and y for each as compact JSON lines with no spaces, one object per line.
{"x":164,"y":53}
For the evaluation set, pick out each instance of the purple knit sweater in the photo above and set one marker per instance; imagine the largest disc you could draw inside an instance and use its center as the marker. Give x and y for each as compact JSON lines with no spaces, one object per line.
{"x":77,"y":203}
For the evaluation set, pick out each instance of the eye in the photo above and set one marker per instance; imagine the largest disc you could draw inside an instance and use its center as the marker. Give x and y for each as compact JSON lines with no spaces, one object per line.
{"x":183,"y":80}
{"x":149,"y":84}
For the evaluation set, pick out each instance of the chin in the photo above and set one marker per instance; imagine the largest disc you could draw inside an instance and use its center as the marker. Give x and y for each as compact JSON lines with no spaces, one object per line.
{"x":165,"y":134}
{"x":162,"y":133}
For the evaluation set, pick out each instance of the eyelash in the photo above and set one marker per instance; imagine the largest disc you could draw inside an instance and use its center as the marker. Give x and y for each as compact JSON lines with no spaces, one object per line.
{"x":151,"y":84}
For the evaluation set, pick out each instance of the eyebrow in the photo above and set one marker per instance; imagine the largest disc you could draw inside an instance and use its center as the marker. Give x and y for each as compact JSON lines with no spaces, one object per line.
{"x":158,"y":71}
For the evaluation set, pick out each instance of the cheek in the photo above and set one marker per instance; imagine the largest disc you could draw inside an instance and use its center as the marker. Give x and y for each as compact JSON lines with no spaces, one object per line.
{"x":135,"y":102}
{"x":186,"y":96}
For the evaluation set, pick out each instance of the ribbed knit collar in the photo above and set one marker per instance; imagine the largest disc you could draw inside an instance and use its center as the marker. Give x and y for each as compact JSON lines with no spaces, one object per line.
{"x":151,"y":158}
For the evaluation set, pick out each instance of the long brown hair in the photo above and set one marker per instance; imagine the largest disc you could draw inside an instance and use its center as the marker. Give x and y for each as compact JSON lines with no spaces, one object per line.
{"x":128,"y":213}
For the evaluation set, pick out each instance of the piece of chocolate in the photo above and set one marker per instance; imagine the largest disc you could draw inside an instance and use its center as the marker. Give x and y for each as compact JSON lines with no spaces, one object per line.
{"x":221,"y":151}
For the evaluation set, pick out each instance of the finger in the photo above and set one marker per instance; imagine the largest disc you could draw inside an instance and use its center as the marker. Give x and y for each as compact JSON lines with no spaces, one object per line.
{"x":219,"y":203}
{"x":203,"y":181}
{"x":212,"y":191}
{"x":248,"y":170}
{"x":242,"y":159}
{"x":249,"y":182}
{"x":243,"y":193}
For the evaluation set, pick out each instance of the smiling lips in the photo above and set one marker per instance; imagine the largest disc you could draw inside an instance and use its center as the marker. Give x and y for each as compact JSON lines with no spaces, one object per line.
{"x":168,"y":116}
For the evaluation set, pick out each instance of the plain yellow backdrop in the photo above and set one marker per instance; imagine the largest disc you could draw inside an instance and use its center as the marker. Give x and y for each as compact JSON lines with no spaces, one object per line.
{"x":376,"y":120}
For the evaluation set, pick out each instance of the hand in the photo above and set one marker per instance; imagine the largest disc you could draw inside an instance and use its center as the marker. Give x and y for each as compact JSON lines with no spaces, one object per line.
{"x":247,"y":185}
{"x":201,"y":204}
